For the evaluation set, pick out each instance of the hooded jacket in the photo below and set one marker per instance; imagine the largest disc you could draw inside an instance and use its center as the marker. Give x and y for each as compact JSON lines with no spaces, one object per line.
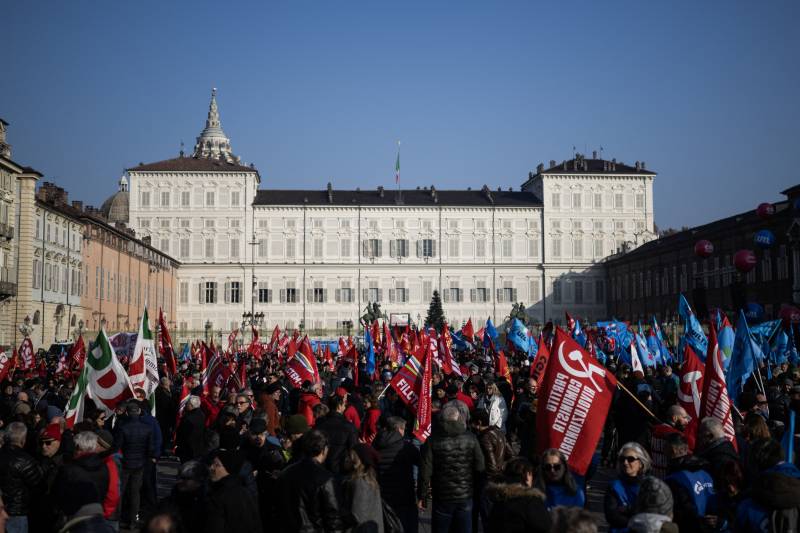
{"x":451,"y":458}
{"x":516,"y":508}
{"x":395,"y":468}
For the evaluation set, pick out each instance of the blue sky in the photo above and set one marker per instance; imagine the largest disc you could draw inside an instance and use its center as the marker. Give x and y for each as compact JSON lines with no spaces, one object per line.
{"x":478,"y":92}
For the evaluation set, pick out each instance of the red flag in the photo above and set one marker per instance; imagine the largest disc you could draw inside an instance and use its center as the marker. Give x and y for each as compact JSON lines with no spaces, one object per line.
{"x":305,"y":349}
{"x":578,"y":392}
{"x":77,"y":353}
{"x":479,"y":334}
{"x":376,"y":335}
{"x":539,"y":366}
{"x":570,"y":322}
{"x":715,"y":402}
{"x":501,"y":366}
{"x":5,"y":366}
{"x":468,"y":331}
{"x":232,"y":339}
{"x":165,"y":345}
{"x":26,"y":354}
{"x":273,"y":342}
{"x":446,"y":351}
{"x":422,"y":424}
{"x":407,"y":382}
{"x":691,"y":387}
{"x":327,"y":356}
{"x":42,"y":369}
{"x":255,"y":347}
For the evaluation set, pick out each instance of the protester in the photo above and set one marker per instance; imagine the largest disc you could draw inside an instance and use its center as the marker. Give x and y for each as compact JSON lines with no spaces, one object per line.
{"x":20,"y":476}
{"x":341,"y":435}
{"x":517,"y":506}
{"x":653,"y":508}
{"x":450,"y":463}
{"x":397,"y":459}
{"x":694,"y":496}
{"x":189,"y":437}
{"x":134,"y":438}
{"x":230,"y":508}
{"x":361,"y":493}
{"x":633,"y":463}
{"x":557,"y":482}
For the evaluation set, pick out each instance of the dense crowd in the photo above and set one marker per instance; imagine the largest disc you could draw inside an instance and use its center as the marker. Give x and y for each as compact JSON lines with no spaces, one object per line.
{"x":337,"y":456}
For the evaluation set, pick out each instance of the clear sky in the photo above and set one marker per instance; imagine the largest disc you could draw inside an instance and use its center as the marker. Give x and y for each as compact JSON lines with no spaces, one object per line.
{"x":706,"y":92}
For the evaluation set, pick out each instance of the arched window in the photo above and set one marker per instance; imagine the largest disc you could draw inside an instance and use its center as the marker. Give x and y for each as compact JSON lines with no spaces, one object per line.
{"x":36,"y":318}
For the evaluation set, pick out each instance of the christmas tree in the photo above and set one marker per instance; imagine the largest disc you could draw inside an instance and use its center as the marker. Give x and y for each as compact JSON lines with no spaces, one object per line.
{"x":435,"y":318}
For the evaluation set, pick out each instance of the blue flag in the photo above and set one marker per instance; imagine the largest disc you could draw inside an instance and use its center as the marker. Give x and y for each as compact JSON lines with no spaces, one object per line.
{"x":458,"y":341}
{"x":645,"y":355}
{"x":780,"y":344}
{"x":693,"y":331}
{"x":185,"y":355}
{"x":489,"y":334}
{"x":654,"y":347}
{"x":578,"y":334}
{"x":787,"y":442}
{"x":370,"y":352}
{"x":518,"y":335}
{"x":746,"y":353}
{"x":791,"y":352}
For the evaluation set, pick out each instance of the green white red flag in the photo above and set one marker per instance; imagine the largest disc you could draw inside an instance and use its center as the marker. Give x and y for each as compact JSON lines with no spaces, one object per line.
{"x":107,"y":382}
{"x":143,"y":368}
{"x":77,"y":399}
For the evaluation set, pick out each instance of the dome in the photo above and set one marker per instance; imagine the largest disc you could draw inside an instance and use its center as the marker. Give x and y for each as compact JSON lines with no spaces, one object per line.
{"x":115,"y":209}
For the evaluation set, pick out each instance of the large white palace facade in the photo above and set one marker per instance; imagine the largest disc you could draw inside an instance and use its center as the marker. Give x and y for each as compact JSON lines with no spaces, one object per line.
{"x":314,"y":258}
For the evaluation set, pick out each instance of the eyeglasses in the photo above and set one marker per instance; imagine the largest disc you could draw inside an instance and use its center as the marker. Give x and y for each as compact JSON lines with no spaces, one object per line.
{"x":555,"y":467}
{"x":628,"y":459}
{"x":242,"y":403}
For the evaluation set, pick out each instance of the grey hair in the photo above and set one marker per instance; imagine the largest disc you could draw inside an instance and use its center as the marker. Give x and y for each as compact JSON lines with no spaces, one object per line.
{"x":712,"y":426}
{"x":17,"y":433}
{"x":193,"y":401}
{"x":86,"y":441}
{"x":451,"y":412}
{"x":640,"y":452}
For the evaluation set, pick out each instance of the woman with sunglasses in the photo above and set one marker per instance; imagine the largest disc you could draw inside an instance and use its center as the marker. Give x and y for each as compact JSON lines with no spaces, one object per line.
{"x":557,"y":482}
{"x":633,"y":463}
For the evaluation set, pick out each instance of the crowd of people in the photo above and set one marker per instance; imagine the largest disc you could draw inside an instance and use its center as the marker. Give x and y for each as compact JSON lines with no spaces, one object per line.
{"x":336,"y":456}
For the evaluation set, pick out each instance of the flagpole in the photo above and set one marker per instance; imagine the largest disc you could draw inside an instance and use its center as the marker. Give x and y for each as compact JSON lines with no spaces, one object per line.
{"x":643,"y":406}
{"x":384,"y":391}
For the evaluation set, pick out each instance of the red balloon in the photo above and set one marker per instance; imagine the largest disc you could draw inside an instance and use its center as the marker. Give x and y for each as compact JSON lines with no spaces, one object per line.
{"x":744,"y":260}
{"x":765,"y":210}
{"x":790,"y":313}
{"x":703,"y":248}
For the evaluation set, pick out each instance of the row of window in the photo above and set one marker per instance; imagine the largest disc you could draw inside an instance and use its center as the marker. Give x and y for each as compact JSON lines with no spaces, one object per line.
{"x":374,"y":224}
{"x":126,"y":290}
{"x":579,"y":200}
{"x":57,"y":278}
{"x":579,"y":291}
{"x":58,"y":234}
{"x":597,"y":226}
{"x":581,"y":248}
{"x":231,"y":292}
{"x":200,"y":198}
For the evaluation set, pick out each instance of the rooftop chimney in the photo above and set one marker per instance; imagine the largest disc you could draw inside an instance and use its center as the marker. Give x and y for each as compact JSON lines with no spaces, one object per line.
{"x":330,"y":193}
{"x":552,"y":163}
{"x":637,"y":166}
{"x":643,"y":166}
{"x":77,"y":205}
{"x":594,"y":154}
{"x":380,"y":191}
{"x":539,"y":167}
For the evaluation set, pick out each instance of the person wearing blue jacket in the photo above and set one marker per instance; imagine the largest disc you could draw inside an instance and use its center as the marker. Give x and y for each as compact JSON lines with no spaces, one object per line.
{"x":633,"y":464}
{"x":696,"y":506}
{"x":557,"y":482}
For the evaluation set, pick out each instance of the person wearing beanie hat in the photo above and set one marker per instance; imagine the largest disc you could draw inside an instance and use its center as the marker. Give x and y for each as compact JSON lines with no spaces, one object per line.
{"x":270,"y":400}
{"x":653,"y":509}
{"x":231,"y":507}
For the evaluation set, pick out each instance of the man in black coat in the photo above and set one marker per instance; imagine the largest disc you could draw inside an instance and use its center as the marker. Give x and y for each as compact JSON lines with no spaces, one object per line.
{"x":189,"y":438}
{"x":230,"y":508}
{"x":20,"y":477}
{"x":307,"y":498}
{"x":451,"y":461}
{"x":714,"y":447}
{"x":341,"y":435}
{"x":134,"y":439}
{"x":166,"y":411}
{"x":265,"y":460}
{"x":397,"y":459}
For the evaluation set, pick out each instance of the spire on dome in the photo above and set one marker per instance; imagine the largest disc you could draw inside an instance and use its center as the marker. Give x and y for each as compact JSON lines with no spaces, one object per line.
{"x":212,"y":142}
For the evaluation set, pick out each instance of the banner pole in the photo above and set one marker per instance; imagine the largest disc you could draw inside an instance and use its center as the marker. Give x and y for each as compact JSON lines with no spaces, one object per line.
{"x":384,"y":391}
{"x":643,"y":406}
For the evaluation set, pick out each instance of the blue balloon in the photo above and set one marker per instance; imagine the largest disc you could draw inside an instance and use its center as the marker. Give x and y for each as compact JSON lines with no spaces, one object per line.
{"x":753,"y":312}
{"x":764,"y":238}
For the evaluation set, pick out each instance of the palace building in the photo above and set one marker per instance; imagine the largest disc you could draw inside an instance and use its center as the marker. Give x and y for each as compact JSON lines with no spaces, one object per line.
{"x":314,"y":258}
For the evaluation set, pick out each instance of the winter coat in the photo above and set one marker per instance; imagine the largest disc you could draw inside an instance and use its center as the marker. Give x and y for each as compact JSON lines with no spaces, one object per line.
{"x":186,"y":504}
{"x":451,"y":460}
{"x":189,"y":436}
{"x":273,"y":416}
{"x":342,"y":436}
{"x":363,"y":501}
{"x":166,"y":408}
{"x":307,"y":500}
{"x":20,"y":476}
{"x":516,"y":509}
{"x":88,"y":519}
{"x":619,"y":501}
{"x":135,"y":440}
{"x":91,"y":468}
{"x":369,"y":428}
{"x":498,"y":412}
{"x":557,"y":494}
{"x":774,"y":503}
{"x":693,"y":493}
{"x":495,"y":451}
{"x":397,"y":459}
{"x":718,"y":453}
{"x":651,"y":523}
{"x":231,"y":508}
{"x":352,"y":415}
{"x":305,"y":406}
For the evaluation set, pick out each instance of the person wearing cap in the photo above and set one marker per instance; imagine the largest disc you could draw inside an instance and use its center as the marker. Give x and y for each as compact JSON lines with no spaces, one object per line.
{"x":263,"y":461}
{"x":230,"y":507}
{"x":295,"y":427}
{"x":134,"y":439}
{"x":51,"y":460}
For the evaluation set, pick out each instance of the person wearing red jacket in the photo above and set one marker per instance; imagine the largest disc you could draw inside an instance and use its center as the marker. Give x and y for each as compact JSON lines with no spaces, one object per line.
{"x":369,"y":427}
{"x":111,"y":500}
{"x":309,"y":397}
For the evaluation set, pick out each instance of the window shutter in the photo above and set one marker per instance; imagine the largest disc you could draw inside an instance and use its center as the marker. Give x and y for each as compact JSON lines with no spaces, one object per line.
{"x":365,"y":295}
{"x":227,"y":292}
{"x":379,"y":251}
{"x":419,"y":248}
{"x":269,"y":295}
{"x":365,"y":248}
{"x":309,"y":295}
{"x":514,"y":294}
{"x":433,"y":248}
{"x":392,"y":248}
{"x":283,"y":295}
{"x":446,"y":295}
{"x":200,"y":294}
{"x":380,"y":295}
{"x":391,"y":295}
{"x":337,"y":294}
{"x":460,"y":295}
{"x":499,"y":295}
{"x":473,"y":294}
{"x":324,"y":295}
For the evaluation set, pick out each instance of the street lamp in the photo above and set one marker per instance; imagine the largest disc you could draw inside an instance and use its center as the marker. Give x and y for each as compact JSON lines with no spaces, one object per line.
{"x":208,"y":326}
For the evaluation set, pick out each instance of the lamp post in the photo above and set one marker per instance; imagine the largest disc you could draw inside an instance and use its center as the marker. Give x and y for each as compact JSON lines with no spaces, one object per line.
{"x":208,"y":326}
